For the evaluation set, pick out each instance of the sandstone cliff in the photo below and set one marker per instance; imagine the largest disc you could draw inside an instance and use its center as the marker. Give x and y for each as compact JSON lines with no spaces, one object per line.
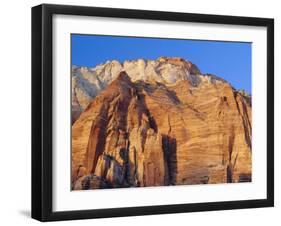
{"x":152,"y":123}
{"x":87,"y":83}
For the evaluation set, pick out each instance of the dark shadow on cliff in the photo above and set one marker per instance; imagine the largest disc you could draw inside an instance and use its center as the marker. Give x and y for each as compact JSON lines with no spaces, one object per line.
{"x":169,"y":146}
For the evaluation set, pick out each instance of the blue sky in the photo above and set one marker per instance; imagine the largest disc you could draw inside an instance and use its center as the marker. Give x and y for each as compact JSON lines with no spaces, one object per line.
{"x":229,"y":60}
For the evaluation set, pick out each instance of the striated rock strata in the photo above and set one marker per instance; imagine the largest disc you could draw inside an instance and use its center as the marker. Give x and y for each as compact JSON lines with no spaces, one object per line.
{"x":172,"y":127}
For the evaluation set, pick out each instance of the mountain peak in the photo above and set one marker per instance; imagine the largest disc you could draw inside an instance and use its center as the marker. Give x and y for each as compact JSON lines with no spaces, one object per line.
{"x":123,"y":76}
{"x":158,"y":122}
{"x":87,"y":82}
{"x":179,"y":61}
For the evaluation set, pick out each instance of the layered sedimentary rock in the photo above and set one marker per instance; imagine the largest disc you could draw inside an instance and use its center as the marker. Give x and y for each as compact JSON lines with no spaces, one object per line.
{"x":160,"y":123}
{"x":87,"y":83}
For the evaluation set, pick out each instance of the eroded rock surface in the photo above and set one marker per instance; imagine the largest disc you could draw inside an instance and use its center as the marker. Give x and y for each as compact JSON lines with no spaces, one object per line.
{"x":160,"y":123}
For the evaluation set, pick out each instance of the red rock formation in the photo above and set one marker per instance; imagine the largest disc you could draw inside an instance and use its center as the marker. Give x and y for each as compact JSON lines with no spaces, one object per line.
{"x":151,"y":134}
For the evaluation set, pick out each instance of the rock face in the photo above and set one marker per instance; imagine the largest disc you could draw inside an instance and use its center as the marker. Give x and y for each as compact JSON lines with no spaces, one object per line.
{"x":158,"y":123}
{"x":87,"y":83}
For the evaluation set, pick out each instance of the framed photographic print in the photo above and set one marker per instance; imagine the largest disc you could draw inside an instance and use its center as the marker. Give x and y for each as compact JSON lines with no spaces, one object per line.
{"x":146,"y":112}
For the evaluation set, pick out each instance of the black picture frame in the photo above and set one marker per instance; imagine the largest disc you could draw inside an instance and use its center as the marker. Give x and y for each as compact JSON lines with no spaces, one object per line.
{"x":42,"y":111}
